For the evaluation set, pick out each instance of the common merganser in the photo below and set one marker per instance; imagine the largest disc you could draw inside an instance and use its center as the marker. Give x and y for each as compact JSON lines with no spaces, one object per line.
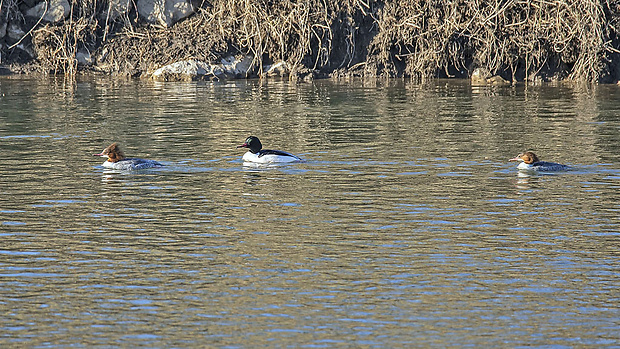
{"x":116,"y":160}
{"x":257,"y":154}
{"x":529,"y":162}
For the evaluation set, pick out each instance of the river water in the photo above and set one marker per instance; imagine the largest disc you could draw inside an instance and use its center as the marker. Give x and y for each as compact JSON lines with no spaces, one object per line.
{"x":406,"y":226}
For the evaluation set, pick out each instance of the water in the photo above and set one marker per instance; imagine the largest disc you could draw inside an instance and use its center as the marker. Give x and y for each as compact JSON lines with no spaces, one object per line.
{"x":405,"y":227}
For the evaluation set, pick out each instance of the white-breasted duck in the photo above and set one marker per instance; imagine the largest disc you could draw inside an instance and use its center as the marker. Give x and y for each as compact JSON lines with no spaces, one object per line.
{"x":529,"y":162}
{"x":116,"y":160}
{"x":257,"y":154}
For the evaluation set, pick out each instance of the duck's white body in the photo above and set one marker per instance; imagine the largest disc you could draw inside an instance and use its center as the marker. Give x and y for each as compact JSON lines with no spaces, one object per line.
{"x":257,"y":154}
{"x":262,"y":158}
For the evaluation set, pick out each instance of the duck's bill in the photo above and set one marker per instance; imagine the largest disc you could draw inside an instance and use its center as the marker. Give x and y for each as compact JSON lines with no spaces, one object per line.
{"x":244,"y":145}
{"x":515,"y":159}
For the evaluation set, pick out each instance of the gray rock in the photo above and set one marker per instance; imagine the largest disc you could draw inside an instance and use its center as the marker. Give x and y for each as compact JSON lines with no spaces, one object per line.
{"x":164,"y":12}
{"x":229,"y":68}
{"x":276,"y":69}
{"x":3,"y":26}
{"x":83,"y":57}
{"x":183,"y":71}
{"x":15,"y":31}
{"x":237,"y":67}
{"x":482,"y":76}
{"x":53,"y":11}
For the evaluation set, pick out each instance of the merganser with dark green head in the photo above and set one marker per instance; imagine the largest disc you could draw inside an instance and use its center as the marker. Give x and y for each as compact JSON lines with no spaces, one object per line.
{"x":257,"y":154}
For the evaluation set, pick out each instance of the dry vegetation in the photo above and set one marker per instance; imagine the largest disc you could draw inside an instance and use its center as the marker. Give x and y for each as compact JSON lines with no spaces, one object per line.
{"x":518,"y":39}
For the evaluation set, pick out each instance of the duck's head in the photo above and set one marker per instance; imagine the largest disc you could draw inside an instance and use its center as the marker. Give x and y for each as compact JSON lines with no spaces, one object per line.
{"x":113,"y":153}
{"x":253,"y":144}
{"x":528,"y":157}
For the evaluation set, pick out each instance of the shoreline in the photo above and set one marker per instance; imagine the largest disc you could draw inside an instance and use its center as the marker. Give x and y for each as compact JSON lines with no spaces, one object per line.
{"x":534,"y":41}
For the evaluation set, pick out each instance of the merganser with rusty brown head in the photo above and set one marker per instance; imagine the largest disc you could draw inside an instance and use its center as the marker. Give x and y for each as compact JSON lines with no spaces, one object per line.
{"x":116,"y":160}
{"x":257,"y":154}
{"x":529,"y":162}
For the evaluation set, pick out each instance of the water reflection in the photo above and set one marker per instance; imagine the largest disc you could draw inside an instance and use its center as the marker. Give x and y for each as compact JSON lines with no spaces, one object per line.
{"x":405,"y":223}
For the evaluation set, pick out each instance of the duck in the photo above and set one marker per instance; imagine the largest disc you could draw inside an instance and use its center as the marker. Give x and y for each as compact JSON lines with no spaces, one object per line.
{"x":116,"y":160}
{"x":529,"y":162}
{"x":257,"y":154}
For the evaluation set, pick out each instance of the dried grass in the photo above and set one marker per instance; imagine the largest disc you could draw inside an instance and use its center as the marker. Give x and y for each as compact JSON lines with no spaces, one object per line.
{"x":520,"y":39}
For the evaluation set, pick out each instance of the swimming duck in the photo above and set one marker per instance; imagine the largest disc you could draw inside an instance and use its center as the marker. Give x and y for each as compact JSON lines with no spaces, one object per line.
{"x":529,"y":162}
{"x":257,"y":154}
{"x":116,"y":160}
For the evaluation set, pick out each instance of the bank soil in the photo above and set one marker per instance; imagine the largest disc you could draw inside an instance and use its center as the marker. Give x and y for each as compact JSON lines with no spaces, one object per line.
{"x":515,"y":40}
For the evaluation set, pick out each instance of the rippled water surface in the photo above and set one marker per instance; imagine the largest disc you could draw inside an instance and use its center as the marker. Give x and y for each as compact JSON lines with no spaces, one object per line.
{"x":405,"y":226}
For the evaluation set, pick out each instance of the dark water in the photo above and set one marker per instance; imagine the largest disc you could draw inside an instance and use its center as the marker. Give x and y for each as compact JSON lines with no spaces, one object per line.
{"x":405,"y":227}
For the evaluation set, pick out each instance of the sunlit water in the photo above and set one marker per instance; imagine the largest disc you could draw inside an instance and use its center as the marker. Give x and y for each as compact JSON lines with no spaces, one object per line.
{"x":405,"y":226}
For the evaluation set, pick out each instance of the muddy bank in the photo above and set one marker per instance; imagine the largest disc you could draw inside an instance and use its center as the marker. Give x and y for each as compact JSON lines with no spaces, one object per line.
{"x":505,"y":41}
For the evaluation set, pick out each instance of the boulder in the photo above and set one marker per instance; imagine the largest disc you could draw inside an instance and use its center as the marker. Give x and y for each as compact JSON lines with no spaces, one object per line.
{"x":164,"y":12}
{"x":190,"y":70}
{"x":479,"y":76}
{"x":183,"y":71}
{"x":482,"y":76}
{"x":83,"y":57}
{"x":3,"y":26}
{"x":5,"y":71}
{"x":15,"y":32}
{"x":277,"y":69}
{"x":52,"y":11}
{"x":237,"y":67}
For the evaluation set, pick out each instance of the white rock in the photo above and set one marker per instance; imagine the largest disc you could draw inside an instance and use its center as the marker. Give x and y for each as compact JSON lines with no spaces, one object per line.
{"x":230,"y":67}
{"x":164,"y":12}
{"x":50,"y":11}
{"x":183,"y":71}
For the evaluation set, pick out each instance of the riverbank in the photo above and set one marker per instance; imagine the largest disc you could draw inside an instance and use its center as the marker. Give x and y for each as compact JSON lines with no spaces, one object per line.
{"x":506,"y":41}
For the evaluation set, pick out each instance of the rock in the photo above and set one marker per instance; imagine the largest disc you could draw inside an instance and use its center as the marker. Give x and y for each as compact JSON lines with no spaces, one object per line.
{"x":183,"y":71}
{"x":3,"y":26}
{"x":482,"y":76}
{"x":497,"y":80}
{"x":276,"y":69}
{"x":53,"y":11}
{"x":237,"y":67}
{"x":191,"y":70}
{"x":27,"y":50}
{"x":30,"y":3}
{"x":164,"y":12}
{"x":83,"y":57}
{"x":303,"y":74}
{"x":15,"y":32}
{"x":5,"y":71}
{"x":479,"y":76}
